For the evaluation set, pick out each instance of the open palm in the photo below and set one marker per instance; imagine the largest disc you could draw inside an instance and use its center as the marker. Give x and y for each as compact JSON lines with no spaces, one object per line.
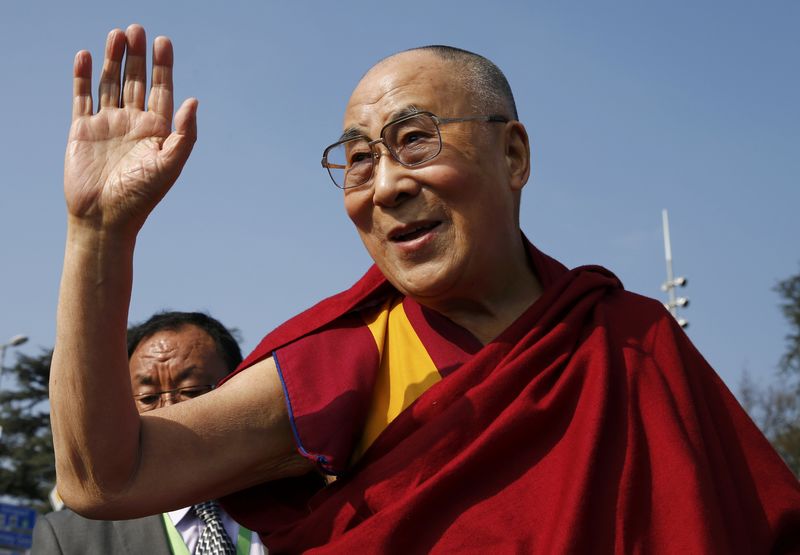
{"x":121,"y":160}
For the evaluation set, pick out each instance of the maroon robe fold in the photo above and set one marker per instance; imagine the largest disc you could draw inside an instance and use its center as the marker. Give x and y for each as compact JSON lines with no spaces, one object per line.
{"x":590,"y":425}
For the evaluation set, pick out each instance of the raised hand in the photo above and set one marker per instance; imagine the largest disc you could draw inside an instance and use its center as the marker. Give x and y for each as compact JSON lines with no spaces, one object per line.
{"x":123,"y":159}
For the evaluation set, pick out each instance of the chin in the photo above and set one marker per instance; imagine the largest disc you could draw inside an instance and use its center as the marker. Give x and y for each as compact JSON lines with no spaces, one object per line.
{"x":426,"y":278}
{"x":424,"y":283}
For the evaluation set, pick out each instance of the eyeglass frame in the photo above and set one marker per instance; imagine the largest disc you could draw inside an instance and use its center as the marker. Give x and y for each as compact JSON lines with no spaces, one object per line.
{"x":139,"y":396}
{"x":376,"y":154}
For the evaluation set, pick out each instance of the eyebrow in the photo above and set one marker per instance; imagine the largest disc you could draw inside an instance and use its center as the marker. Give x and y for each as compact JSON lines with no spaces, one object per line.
{"x":353,"y":131}
{"x":144,"y":379}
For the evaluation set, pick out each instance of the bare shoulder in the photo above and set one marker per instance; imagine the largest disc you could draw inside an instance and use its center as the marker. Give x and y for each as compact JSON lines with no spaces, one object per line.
{"x":253,"y":398}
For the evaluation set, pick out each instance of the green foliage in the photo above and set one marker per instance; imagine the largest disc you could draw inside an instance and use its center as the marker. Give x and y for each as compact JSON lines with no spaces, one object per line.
{"x":776,"y":411}
{"x":27,"y":464}
{"x":785,"y":434}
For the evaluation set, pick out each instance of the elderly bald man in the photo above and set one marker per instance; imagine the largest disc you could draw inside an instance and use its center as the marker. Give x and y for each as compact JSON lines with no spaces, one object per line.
{"x":469,"y":392}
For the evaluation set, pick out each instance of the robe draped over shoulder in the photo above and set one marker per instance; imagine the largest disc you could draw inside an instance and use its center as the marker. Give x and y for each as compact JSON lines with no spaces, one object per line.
{"x":591,"y":424}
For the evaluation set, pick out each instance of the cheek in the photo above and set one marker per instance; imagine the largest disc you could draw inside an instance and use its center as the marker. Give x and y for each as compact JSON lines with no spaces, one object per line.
{"x":444,"y":178}
{"x":358,"y":205}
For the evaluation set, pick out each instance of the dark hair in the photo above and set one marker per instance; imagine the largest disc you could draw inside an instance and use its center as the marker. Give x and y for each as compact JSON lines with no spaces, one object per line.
{"x":485,"y":80}
{"x":227,"y":346}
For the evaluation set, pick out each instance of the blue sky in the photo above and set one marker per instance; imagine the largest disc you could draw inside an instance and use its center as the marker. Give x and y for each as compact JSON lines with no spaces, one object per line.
{"x":632,"y":107}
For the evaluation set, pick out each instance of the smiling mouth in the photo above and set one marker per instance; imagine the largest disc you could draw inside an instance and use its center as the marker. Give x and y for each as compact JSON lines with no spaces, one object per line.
{"x":409,"y":234}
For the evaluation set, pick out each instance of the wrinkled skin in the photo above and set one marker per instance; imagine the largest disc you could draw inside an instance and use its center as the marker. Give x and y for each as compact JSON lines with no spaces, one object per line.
{"x":121,"y":160}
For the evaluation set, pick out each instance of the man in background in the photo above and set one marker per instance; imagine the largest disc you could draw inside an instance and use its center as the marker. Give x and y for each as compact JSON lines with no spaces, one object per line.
{"x":173,"y":356}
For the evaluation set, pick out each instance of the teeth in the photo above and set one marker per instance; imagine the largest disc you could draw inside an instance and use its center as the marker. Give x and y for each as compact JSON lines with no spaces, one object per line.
{"x":405,"y":234}
{"x":412,"y":231}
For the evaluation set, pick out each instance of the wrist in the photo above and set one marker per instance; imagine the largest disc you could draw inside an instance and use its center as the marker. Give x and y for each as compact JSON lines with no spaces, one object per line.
{"x":95,"y":236}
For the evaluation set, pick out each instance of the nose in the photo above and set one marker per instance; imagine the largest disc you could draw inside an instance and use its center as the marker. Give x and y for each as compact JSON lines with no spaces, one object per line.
{"x":168,"y":399}
{"x":392,"y":183}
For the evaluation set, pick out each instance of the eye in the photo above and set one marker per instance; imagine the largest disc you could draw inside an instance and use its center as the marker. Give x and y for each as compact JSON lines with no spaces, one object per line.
{"x":410,"y":136}
{"x":147,"y":400}
{"x":359,"y":157}
{"x":193,"y":392}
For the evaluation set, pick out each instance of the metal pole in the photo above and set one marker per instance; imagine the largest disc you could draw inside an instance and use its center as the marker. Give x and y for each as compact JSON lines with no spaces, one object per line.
{"x":673,"y":301}
{"x":2,"y":363}
{"x":670,"y":285}
{"x":2,"y":367}
{"x":13,"y":342}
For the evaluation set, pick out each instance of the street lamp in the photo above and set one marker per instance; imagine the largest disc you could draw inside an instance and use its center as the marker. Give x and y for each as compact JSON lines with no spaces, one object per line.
{"x":673,"y":301}
{"x":15,"y":341}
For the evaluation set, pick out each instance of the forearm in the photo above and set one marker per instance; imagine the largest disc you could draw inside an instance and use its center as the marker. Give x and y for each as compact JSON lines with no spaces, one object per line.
{"x":121,"y":160}
{"x":95,"y":423}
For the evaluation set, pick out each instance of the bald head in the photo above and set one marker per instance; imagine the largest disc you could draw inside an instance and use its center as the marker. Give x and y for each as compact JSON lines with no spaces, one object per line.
{"x":485,"y":83}
{"x":438,"y":230}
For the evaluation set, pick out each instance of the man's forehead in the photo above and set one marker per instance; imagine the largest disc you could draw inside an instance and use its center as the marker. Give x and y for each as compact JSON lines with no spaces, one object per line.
{"x":185,"y":347}
{"x":409,"y":80}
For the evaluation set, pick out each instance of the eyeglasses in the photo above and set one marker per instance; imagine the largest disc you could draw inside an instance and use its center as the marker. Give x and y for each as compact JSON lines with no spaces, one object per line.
{"x":154,"y":399}
{"x":411,"y":140}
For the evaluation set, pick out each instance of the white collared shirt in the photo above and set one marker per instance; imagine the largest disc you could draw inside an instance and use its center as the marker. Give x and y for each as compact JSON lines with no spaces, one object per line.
{"x":189,"y":526}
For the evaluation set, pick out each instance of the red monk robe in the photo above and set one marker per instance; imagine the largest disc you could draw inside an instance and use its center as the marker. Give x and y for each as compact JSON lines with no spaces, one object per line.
{"x":590,"y":425}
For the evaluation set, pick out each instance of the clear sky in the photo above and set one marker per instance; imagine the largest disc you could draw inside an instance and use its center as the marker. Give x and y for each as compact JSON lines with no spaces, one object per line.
{"x":632,"y":107}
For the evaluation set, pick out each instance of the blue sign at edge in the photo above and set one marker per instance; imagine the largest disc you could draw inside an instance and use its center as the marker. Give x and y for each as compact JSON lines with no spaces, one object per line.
{"x":16,"y":526}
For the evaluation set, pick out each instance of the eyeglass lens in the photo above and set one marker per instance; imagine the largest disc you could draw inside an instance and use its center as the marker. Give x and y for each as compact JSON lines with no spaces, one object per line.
{"x":152,"y":400}
{"x":411,"y":141}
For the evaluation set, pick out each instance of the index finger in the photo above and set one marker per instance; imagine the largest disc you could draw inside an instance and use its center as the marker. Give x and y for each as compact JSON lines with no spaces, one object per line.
{"x":82,"y":85}
{"x":160,"y":100}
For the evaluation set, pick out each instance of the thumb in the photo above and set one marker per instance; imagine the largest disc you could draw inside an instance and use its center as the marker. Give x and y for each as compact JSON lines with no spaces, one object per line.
{"x":177,"y":147}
